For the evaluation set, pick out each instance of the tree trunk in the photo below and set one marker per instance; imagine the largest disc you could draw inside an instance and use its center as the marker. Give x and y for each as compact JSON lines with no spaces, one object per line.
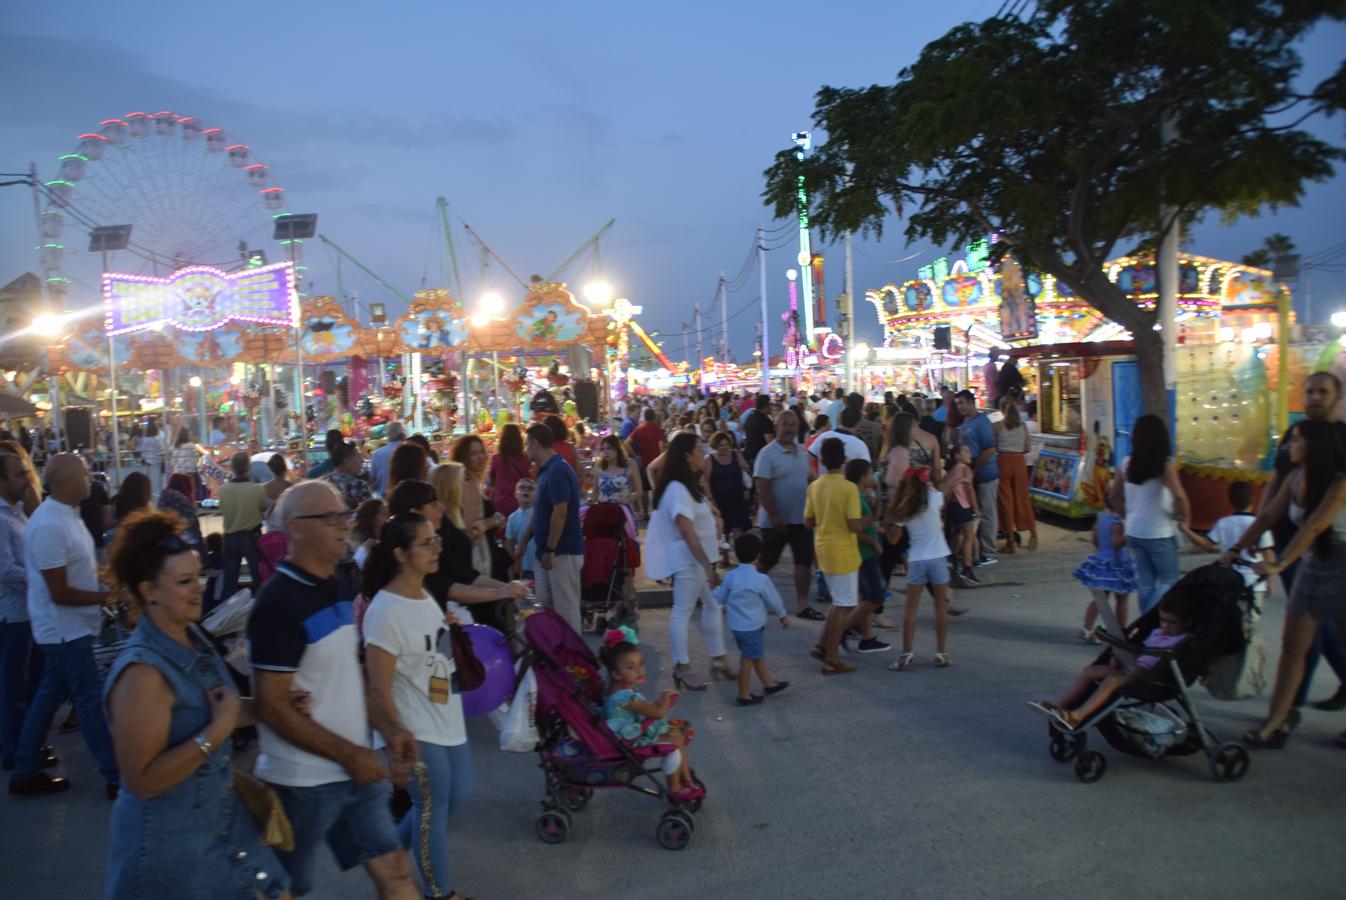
{"x":1149,"y":348}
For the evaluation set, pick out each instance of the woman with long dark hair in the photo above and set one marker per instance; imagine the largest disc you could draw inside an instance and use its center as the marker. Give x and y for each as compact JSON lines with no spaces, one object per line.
{"x":481,"y":519}
{"x":616,"y":477}
{"x":1014,"y":507}
{"x":409,"y":462}
{"x":177,"y":497}
{"x":508,"y":465}
{"x":1153,"y":502}
{"x":1314,"y":497}
{"x":411,"y":685}
{"x":729,"y":479}
{"x":681,"y":544}
{"x":135,"y":493}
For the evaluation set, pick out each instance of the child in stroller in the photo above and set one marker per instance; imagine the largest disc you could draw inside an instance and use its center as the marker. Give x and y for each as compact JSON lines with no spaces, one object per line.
{"x":1177,"y":615}
{"x":636,"y":720}
{"x":1142,"y":705}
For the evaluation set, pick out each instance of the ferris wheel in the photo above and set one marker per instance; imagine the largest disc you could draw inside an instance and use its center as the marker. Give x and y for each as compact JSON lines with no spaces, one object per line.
{"x":192,"y":193}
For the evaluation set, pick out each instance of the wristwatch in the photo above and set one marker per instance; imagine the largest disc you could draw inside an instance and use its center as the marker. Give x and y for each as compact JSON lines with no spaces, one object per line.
{"x":205,"y":746}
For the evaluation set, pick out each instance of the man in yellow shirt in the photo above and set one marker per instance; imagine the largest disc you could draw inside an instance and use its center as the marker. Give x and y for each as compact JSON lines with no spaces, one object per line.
{"x":243,"y":504}
{"x":832,"y":510}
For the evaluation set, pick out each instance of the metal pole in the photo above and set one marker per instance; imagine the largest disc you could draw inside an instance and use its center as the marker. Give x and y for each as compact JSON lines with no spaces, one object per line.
{"x":848,"y":310}
{"x":1168,"y":286}
{"x":766,"y":332}
{"x":696,"y":329}
{"x":724,"y":320}
{"x":112,"y":399}
{"x":299,"y":378}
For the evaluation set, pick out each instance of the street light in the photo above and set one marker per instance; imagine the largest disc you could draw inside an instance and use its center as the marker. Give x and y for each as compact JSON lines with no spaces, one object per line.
{"x":48,"y":324}
{"x":599,"y":293}
{"x":1339,"y":318}
{"x":492,"y":304}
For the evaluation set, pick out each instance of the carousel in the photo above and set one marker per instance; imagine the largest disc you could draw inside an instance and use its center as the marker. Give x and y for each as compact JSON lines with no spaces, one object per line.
{"x":964,"y":324}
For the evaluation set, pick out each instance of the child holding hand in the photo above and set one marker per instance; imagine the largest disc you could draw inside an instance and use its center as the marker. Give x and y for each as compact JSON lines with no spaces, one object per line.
{"x":1108,"y":570}
{"x":637,"y":721}
{"x":746,"y":595}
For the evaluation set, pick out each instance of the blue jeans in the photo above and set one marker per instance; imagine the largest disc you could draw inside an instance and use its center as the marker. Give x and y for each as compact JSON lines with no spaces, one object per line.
{"x":68,"y":670}
{"x":20,"y":672}
{"x":240,"y":546}
{"x":1156,"y":561}
{"x":354,"y":820}
{"x":449,"y":776}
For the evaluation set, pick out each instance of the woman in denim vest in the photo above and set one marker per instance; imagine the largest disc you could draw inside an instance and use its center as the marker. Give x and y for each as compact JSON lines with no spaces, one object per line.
{"x":178,"y":829}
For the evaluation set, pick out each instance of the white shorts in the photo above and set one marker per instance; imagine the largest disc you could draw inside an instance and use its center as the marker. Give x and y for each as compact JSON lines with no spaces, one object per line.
{"x":845,"y":588}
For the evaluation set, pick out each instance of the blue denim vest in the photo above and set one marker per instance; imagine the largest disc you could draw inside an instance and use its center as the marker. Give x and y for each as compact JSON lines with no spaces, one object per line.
{"x":195,"y":839}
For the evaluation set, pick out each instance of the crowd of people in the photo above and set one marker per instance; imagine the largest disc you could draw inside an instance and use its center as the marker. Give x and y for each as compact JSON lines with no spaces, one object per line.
{"x":364,"y":565}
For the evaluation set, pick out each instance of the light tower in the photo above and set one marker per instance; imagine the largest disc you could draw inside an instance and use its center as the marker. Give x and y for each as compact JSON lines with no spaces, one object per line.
{"x":803,"y":143}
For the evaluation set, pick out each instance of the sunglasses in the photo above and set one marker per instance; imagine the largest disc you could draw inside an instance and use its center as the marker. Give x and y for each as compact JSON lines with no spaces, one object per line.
{"x":329,"y":518}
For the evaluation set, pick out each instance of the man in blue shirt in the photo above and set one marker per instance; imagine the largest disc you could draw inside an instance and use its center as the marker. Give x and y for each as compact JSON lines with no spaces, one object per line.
{"x":20,"y":661}
{"x":979,"y":435}
{"x":383,"y":457}
{"x":557,"y":537}
{"x":630,"y":422}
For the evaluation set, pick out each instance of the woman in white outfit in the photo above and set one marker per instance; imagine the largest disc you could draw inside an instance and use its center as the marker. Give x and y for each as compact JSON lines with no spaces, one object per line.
{"x":1150,"y":497}
{"x":682,"y":543}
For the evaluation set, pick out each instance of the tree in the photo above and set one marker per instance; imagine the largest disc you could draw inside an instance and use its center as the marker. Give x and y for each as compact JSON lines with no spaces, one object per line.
{"x":1274,"y":245}
{"x":1045,"y":131}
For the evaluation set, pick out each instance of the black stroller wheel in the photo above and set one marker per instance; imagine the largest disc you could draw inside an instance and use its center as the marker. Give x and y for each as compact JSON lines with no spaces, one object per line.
{"x":1061,"y":750}
{"x":1229,"y":762}
{"x":573,"y":798}
{"x":674,"y":831}
{"x":1090,"y":766}
{"x":552,"y":827}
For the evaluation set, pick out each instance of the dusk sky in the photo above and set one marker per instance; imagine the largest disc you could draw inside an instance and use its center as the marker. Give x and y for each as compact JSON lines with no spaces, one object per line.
{"x":537,"y":122}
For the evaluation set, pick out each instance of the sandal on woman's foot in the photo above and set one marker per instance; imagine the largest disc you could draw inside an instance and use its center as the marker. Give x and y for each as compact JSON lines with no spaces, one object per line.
{"x":901,"y":663}
{"x":837,"y":667}
{"x":957,"y":610}
{"x":1088,"y":636}
{"x":811,"y":614}
{"x":818,"y":653}
{"x":750,"y":700}
{"x":942,"y":660}
{"x":682,"y":677}
{"x":1276,"y":741}
{"x":1032,"y":542}
{"x":776,"y":688}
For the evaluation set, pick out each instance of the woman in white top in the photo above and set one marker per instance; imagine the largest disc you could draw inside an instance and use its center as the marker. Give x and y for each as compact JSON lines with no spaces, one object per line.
{"x":1014,"y":507}
{"x":1153,"y":502}
{"x":681,"y":543}
{"x":412,"y":689}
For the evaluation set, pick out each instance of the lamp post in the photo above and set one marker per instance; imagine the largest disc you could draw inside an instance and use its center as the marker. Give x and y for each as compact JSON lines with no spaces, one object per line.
{"x":195,"y":382}
{"x":858,"y":356}
{"x":492,"y":306}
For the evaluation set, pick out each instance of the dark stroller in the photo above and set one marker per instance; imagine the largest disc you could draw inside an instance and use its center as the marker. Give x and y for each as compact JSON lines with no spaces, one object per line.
{"x":1155,"y":717}
{"x":577,"y":751}
{"x":611,"y":557}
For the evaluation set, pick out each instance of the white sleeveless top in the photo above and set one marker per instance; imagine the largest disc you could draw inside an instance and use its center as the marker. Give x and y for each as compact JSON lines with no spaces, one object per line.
{"x":1149,"y":507}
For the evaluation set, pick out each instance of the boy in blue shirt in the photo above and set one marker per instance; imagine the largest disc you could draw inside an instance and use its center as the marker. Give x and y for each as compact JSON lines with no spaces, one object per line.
{"x":516,"y":531}
{"x":747,"y":594}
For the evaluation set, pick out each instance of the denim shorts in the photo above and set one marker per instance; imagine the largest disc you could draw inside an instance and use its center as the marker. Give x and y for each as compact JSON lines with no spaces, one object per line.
{"x":354,"y":819}
{"x":933,"y":572}
{"x":960,"y":514}
{"x":871,"y":581}
{"x":751,"y":644}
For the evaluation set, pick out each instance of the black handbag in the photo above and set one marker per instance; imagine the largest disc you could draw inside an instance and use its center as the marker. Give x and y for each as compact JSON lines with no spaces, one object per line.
{"x":469,"y":671}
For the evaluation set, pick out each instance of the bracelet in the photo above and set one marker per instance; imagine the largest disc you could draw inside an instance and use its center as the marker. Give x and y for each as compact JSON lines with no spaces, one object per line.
{"x":205,"y":746}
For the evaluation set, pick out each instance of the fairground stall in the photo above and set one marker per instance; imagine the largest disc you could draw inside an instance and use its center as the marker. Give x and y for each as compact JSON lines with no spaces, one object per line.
{"x":961,"y":324}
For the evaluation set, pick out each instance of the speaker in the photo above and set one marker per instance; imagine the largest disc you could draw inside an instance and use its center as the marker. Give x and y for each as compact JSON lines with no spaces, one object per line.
{"x":586,"y":399}
{"x":943,"y":337}
{"x":78,"y":427}
{"x":580,"y":359}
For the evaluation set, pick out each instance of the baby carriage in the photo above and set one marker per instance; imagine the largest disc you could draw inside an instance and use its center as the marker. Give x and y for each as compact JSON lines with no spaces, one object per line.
{"x":611,"y":556}
{"x":1155,"y":717}
{"x":578,"y":753}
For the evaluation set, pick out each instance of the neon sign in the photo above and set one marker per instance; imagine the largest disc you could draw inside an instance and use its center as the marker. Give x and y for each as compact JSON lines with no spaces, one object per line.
{"x":201,"y":298}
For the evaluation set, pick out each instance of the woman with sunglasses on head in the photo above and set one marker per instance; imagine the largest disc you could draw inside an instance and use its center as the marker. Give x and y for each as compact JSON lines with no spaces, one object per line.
{"x":412,"y":684}
{"x":171,"y":709}
{"x":455,"y":584}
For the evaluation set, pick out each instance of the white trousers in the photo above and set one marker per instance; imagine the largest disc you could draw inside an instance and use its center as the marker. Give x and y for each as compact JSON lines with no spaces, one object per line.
{"x":689,"y":586}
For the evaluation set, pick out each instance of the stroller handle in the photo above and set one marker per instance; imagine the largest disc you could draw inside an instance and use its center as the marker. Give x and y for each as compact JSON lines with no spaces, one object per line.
{"x":1163,"y":653}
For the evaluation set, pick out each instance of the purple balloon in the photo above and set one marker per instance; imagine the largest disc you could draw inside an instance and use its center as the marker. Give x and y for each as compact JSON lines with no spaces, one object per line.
{"x":493,"y":651}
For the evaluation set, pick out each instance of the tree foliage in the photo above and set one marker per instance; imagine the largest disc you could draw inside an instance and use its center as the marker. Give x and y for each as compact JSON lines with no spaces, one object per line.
{"x":1273,"y":245}
{"x":1046,"y":130}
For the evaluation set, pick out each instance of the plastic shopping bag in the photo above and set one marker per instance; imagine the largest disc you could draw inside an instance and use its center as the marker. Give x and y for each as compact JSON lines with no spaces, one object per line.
{"x":519,"y":734}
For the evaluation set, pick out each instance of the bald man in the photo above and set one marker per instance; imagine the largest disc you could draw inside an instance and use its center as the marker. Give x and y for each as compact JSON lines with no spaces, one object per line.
{"x":301,"y":637}
{"x":64,"y":599}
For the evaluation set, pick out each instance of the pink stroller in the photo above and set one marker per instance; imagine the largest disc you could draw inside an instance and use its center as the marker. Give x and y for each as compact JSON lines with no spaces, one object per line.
{"x":578,"y":753}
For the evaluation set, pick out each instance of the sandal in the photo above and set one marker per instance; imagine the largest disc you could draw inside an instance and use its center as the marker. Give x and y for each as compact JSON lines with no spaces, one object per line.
{"x":811,"y":614}
{"x":682,"y":676}
{"x":942,"y":660}
{"x":1032,"y":541}
{"x":1253,"y":738}
{"x":902,"y":662}
{"x":818,"y":653}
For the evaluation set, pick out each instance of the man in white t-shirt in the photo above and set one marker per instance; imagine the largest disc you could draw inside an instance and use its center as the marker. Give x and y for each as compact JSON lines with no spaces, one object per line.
{"x":845,"y":432}
{"x":302,"y":638}
{"x":64,"y":602}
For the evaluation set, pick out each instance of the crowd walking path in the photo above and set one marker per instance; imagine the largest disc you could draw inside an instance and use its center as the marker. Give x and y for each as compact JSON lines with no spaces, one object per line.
{"x":931,"y":782}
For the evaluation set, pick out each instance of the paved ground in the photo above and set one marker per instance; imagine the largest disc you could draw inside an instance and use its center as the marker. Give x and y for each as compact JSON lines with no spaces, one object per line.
{"x":931,"y":782}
